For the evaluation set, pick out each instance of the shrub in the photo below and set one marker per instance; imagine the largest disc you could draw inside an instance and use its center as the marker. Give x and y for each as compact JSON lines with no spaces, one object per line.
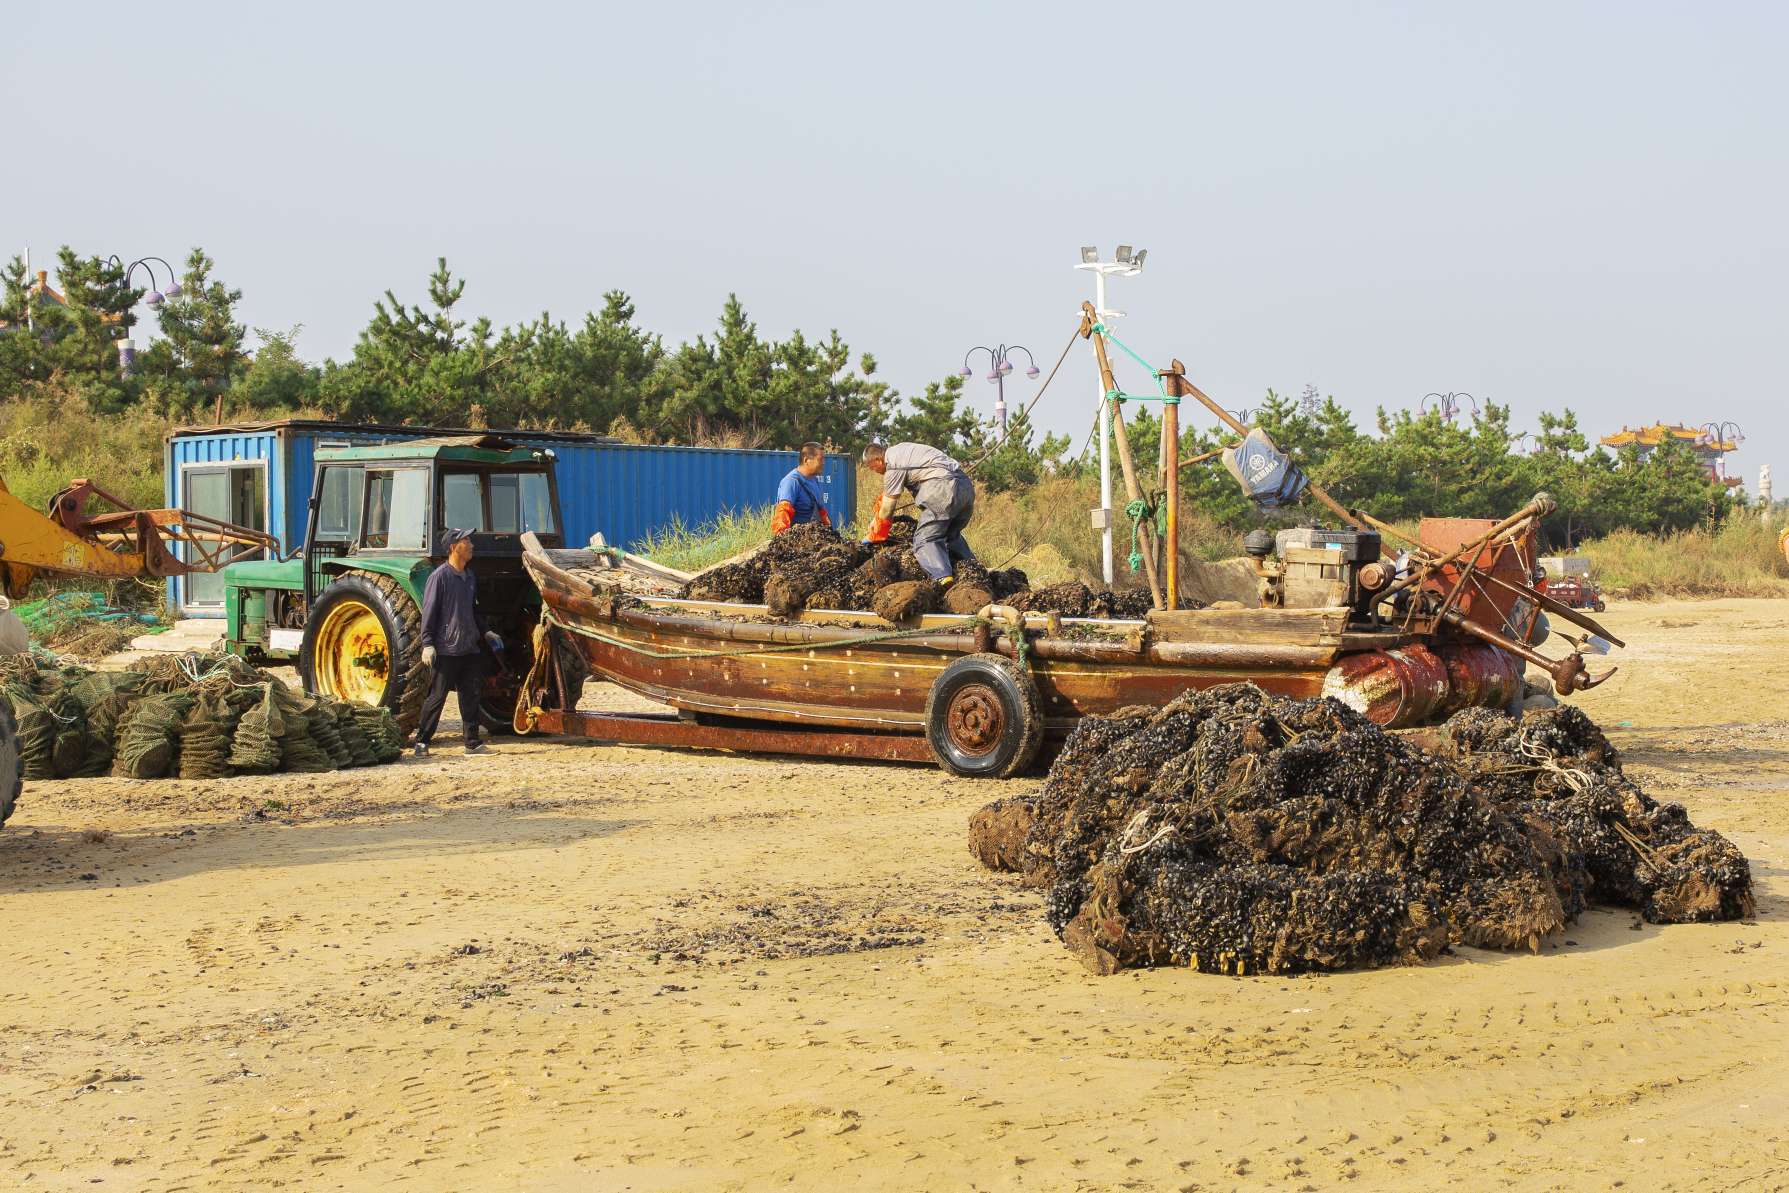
{"x":1738,"y":559}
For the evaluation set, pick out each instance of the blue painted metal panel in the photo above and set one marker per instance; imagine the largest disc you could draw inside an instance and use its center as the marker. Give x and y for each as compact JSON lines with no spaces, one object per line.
{"x":624,"y":491}
{"x":184,"y":453}
{"x":629,"y":491}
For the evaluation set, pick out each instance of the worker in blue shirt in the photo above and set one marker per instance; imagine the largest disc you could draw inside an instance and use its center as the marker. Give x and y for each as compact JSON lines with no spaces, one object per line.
{"x":799,"y":499}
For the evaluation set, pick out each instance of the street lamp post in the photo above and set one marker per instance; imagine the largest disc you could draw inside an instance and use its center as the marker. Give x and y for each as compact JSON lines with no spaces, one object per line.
{"x":127,"y":347}
{"x":999,"y":365}
{"x":1447,"y":405}
{"x":1126,"y":265}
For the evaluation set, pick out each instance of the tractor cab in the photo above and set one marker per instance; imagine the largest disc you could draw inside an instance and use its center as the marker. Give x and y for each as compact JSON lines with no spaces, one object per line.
{"x":348,"y":608}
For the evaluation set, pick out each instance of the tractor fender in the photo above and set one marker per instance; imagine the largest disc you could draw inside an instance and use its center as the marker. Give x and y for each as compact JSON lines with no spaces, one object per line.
{"x":410,"y":572}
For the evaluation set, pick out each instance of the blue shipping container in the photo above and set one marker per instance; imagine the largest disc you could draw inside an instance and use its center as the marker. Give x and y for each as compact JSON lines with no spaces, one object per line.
{"x":260,"y":474}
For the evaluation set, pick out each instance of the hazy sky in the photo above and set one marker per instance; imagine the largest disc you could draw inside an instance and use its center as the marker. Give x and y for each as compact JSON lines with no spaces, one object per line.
{"x":1542,"y":204}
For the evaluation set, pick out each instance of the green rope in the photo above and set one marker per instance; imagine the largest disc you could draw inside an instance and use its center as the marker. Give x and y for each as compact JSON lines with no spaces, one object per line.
{"x":1140,"y":510}
{"x":1130,"y":352}
{"x":860,"y":640}
{"x":1021,"y":645}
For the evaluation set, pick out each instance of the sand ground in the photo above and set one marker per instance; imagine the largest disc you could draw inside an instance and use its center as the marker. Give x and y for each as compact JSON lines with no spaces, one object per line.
{"x":572,"y":967}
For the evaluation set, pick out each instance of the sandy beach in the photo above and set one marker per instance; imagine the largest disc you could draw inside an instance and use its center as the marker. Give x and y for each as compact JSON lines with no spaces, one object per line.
{"x":577,"y":967}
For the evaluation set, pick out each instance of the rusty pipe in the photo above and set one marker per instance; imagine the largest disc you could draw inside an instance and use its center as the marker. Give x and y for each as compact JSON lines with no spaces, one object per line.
{"x":1551,"y":605}
{"x":1569,"y":674}
{"x":1171,"y":466}
{"x":1539,"y":506}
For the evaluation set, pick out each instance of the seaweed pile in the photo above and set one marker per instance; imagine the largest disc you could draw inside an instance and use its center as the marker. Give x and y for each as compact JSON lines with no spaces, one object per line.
{"x":812,"y":567}
{"x":189,"y":716}
{"x":1235,"y":832}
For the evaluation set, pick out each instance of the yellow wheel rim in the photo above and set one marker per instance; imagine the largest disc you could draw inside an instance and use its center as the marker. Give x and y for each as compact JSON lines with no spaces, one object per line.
{"x":352,"y":657}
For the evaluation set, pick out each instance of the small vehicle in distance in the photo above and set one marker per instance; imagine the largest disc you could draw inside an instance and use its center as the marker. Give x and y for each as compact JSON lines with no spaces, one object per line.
{"x":1567,"y":580}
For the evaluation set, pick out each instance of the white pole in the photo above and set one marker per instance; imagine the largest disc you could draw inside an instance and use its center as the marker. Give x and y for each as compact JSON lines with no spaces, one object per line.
{"x":1105,"y":442}
{"x":30,"y":298}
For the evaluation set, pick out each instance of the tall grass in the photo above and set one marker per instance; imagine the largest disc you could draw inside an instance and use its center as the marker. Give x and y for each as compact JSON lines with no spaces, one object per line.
{"x":49,"y":437}
{"x":1739,"y":559}
{"x":692,"y":548}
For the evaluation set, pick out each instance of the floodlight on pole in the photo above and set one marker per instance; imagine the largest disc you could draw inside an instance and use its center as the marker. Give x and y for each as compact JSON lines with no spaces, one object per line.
{"x":1126,"y":265}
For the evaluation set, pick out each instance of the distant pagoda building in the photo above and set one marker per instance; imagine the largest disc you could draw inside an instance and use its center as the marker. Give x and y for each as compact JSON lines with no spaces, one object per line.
{"x":1709,"y":446}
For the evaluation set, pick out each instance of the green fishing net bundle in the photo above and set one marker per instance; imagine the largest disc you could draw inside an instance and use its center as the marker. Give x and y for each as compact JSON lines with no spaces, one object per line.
{"x":206,"y":737}
{"x":147,"y":742}
{"x":195,"y":716}
{"x":354,"y":738}
{"x":255,"y":745}
{"x":382,"y":732}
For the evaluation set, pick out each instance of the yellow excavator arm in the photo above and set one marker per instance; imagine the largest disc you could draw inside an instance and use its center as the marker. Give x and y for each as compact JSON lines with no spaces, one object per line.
{"x":119,"y":545}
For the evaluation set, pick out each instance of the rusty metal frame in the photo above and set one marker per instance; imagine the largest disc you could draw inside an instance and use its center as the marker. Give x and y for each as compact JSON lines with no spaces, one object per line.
{"x":668,"y":729}
{"x":211,"y":541}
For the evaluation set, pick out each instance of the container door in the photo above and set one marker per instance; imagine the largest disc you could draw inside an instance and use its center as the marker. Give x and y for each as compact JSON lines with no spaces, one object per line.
{"x":232,"y":493}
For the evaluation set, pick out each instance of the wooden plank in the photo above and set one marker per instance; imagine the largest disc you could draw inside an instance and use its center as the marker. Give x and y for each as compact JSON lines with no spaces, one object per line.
{"x":1288,"y":627}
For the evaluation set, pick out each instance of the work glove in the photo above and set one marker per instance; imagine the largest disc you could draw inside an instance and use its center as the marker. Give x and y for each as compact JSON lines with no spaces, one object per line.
{"x":494,"y":642}
{"x":783,"y":518}
{"x":428,"y":657}
{"x":879,"y":531}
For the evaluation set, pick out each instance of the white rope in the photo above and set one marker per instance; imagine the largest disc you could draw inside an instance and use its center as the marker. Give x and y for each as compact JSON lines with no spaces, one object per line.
{"x":1136,"y":823}
{"x":1578,"y":780}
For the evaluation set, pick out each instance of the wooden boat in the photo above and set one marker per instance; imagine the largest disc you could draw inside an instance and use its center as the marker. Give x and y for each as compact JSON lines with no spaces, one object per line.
{"x":978,"y":694}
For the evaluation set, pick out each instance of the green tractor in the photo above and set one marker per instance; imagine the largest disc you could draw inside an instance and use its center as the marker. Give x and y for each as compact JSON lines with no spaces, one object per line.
{"x":347,"y":608}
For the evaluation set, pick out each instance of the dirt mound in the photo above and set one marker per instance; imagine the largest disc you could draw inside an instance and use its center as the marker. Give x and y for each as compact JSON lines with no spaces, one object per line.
{"x":812,"y":567}
{"x":899,"y":603}
{"x":1236,"y":832}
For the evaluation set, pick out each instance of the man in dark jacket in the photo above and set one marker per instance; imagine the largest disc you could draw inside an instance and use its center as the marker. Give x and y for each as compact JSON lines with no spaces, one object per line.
{"x":453,"y":635}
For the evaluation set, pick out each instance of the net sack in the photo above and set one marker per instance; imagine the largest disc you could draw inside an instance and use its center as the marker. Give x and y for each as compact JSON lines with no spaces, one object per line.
{"x":354,"y":738}
{"x":254,"y":746}
{"x":206,"y":738}
{"x":37,"y":731}
{"x":146,"y":747}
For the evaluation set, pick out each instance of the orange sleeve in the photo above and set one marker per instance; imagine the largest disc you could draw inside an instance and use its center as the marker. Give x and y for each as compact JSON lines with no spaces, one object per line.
{"x":783,"y":518}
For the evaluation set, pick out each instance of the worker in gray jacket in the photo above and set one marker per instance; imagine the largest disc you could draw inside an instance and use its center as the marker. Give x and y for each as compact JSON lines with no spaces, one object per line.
{"x":942,"y":490}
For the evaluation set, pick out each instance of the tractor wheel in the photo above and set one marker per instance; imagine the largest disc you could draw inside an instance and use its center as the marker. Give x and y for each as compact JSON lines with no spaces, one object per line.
{"x":984,"y":718}
{"x":363,"y":644}
{"x":12,"y":762}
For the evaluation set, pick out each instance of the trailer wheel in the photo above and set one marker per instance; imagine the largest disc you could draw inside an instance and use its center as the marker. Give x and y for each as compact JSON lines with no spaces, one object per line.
{"x":984,"y":718}
{"x":12,"y":762}
{"x":363,"y":643}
